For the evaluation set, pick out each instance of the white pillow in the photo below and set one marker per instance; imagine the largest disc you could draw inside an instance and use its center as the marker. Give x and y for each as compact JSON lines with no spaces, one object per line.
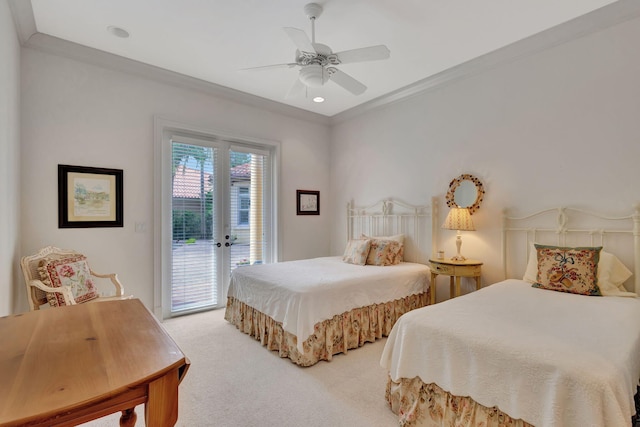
{"x":396,"y":237}
{"x":612,"y":273}
{"x":357,"y":251}
{"x":531,"y":273}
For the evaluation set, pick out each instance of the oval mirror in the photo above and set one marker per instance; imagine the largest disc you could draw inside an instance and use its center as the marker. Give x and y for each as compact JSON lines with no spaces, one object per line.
{"x":465,"y":191}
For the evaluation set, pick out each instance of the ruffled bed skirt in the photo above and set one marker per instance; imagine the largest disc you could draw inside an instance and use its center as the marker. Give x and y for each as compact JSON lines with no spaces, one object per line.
{"x":337,"y":335}
{"x":420,"y":404}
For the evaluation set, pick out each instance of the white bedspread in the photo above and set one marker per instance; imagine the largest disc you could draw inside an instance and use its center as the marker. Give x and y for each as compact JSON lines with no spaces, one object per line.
{"x":550,"y":358}
{"x":302,"y":293}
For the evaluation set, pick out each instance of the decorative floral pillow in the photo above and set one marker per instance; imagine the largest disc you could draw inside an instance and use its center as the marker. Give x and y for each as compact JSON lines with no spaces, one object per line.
{"x":573,"y":270}
{"x":70,"y":271}
{"x":385,"y":252}
{"x":356,"y":251}
{"x":612,"y":273}
{"x":397,"y":237}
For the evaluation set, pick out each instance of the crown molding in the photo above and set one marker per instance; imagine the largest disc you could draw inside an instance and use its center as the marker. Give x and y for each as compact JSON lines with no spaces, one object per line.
{"x":29,"y":37}
{"x":597,"y":20}
{"x":23,"y":19}
{"x":592,"y":22}
{"x":56,"y":46}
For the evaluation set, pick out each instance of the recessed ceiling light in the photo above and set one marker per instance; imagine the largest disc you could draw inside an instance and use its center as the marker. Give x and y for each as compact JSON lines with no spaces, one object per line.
{"x":318,"y":99}
{"x":118,"y":32}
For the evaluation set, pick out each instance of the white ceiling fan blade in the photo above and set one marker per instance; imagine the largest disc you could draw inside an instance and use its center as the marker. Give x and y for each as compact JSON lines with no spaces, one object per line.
{"x":296,"y":90}
{"x":371,"y":53}
{"x":346,"y":81}
{"x":269,"y":67}
{"x":300,"y":39}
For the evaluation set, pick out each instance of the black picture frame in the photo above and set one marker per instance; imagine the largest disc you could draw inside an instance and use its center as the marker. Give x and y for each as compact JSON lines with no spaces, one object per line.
{"x":97,"y":206}
{"x":307,"y":202}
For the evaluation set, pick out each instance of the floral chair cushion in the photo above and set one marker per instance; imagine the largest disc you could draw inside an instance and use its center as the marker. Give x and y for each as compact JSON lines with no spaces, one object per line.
{"x":356,"y":251}
{"x":385,"y":252}
{"x":70,"y":271}
{"x":564,"y":269}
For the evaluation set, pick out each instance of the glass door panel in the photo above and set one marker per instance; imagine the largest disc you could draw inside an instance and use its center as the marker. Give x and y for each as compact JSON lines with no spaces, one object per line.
{"x":248,"y":177}
{"x":194,"y":209}
{"x":221,"y":219}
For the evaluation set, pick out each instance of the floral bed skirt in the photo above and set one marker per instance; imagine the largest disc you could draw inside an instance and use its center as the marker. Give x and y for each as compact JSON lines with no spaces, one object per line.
{"x":336,"y":335}
{"x":420,"y":404}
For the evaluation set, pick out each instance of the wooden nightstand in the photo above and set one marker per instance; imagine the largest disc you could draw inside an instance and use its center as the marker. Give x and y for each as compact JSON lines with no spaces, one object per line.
{"x":454,"y":269}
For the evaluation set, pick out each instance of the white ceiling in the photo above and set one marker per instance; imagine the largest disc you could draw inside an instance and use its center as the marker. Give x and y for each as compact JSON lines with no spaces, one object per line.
{"x":212,"y":40}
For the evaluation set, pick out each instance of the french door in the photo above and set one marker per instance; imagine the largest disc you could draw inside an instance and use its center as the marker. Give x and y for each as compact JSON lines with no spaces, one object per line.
{"x":220,"y":204}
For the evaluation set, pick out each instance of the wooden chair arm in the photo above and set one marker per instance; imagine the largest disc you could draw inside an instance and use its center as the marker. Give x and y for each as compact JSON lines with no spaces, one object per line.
{"x":114,"y":279}
{"x":64,"y":290}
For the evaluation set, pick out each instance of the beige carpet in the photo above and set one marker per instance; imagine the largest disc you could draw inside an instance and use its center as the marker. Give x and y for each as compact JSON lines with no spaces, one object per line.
{"x":234,"y":381}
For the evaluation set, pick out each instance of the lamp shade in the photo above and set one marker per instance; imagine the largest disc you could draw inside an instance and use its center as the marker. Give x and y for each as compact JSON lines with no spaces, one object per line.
{"x":459,"y":219}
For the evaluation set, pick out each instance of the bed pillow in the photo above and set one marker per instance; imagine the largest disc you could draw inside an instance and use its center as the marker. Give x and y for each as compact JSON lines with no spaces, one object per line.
{"x":399,"y":250}
{"x":565,"y":269}
{"x":357,"y":251}
{"x":397,"y":237}
{"x":612,"y":273}
{"x":385,"y":252}
{"x":531,"y":273}
{"x":73,"y":271}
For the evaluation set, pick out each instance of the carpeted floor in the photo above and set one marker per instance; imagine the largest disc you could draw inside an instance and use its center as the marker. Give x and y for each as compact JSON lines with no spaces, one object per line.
{"x":235,"y":382}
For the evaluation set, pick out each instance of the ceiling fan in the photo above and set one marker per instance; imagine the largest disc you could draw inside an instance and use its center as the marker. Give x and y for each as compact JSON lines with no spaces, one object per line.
{"x":317,"y":61}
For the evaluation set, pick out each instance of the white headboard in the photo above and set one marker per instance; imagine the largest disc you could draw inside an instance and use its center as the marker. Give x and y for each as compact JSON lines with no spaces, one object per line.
{"x":388,"y":217}
{"x":564,"y":226}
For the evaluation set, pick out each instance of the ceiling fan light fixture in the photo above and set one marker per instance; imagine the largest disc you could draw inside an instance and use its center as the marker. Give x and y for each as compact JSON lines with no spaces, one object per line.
{"x":318,"y":62}
{"x":313,"y":75}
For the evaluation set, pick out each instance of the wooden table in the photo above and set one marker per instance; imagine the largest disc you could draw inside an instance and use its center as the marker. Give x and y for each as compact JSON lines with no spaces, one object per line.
{"x":69,"y":365}
{"x":456,"y":270}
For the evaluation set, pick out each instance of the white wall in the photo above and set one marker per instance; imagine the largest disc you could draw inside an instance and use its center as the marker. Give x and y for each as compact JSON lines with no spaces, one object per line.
{"x":557,"y":127}
{"x":10,"y":292}
{"x":81,"y":114}
{"x":560,"y":127}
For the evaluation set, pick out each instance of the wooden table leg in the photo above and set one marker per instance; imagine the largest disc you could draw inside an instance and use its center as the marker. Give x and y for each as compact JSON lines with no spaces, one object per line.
{"x":128,"y":418}
{"x":458,"y":286}
{"x":433,"y":288}
{"x":478,"y":284}
{"x":451,"y":288}
{"x":161,"y":408}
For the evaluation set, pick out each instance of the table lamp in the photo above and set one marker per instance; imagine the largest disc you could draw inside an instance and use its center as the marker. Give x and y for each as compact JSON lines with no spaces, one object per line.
{"x":459,"y":219}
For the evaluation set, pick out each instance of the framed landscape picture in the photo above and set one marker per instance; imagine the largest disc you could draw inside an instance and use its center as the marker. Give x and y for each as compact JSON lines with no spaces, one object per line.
{"x":89,"y":197}
{"x":308,"y":202}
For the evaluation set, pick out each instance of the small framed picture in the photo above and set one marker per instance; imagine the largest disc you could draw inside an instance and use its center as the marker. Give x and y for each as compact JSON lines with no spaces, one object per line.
{"x":308,"y":202}
{"x":89,"y":197}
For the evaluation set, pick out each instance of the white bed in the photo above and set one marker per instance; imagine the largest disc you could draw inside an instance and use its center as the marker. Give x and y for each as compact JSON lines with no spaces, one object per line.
{"x":511,"y":354}
{"x":309,"y":310}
